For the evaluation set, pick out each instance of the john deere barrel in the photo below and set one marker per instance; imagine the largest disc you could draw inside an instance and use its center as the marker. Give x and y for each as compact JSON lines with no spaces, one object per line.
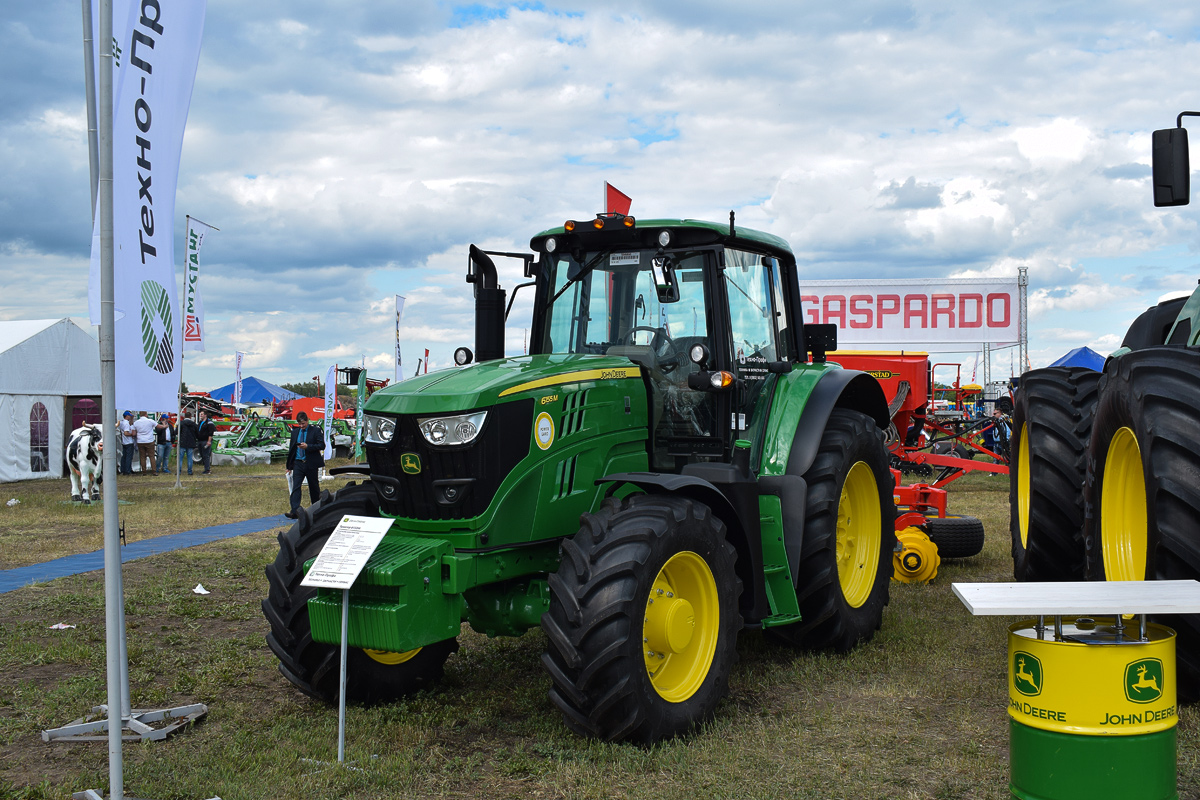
{"x":1092,"y":710}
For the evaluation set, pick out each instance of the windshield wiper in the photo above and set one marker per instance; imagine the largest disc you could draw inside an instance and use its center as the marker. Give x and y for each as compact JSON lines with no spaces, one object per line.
{"x":586,"y":269}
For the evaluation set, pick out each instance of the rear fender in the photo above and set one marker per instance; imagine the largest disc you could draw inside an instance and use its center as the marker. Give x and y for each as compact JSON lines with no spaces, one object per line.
{"x":841,"y":388}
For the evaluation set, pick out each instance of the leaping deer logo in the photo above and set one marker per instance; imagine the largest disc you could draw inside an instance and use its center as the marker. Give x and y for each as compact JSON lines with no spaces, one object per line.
{"x":1143,"y":682}
{"x":1020,"y":674}
{"x":1149,"y":684}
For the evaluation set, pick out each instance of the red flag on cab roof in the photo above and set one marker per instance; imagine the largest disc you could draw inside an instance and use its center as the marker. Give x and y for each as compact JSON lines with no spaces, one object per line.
{"x":616,"y":201}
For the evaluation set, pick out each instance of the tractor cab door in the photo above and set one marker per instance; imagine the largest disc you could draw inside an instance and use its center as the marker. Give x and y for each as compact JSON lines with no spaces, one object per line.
{"x":685,"y":422}
{"x":754,"y":294}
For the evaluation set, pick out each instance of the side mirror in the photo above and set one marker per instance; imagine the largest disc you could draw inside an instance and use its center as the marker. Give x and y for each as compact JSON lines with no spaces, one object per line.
{"x":665,"y":282}
{"x":819,"y":340}
{"x":1172,"y":175}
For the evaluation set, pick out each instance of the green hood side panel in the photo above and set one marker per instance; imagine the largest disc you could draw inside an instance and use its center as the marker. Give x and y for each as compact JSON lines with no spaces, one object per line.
{"x":487,"y":383}
{"x":595,"y":409}
{"x":792,"y":391}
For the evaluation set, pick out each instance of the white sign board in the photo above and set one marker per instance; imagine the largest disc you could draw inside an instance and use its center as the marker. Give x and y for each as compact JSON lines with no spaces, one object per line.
{"x":916,"y":312}
{"x":346,"y":553}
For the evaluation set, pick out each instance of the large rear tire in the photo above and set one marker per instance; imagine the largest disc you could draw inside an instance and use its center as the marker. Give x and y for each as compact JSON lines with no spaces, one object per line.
{"x":1143,"y":483}
{"x":643,"y":620}
{"x":1052,"y":424}
{"x":956,"y":537}
{"x":846,"y":557}
{"x":371,"y":676}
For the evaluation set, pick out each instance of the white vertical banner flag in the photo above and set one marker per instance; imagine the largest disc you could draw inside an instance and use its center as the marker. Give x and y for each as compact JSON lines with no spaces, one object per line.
{"x":238,"y":355}
{"x":399,"y":311}
{"x":159,"y":48}
{"x":330,"y":402}
{"x":193,"y":308}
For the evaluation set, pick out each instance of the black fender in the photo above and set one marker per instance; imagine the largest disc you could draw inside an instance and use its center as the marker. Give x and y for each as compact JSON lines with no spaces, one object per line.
{"x":838,"y":388}
{"x":737,"y":509}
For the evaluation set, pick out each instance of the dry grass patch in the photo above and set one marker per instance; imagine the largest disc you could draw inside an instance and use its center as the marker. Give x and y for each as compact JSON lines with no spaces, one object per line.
{"x":919,"y":712}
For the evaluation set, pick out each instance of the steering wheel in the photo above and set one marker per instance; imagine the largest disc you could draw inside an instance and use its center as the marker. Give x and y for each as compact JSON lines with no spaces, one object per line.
{"x":661,"y":343}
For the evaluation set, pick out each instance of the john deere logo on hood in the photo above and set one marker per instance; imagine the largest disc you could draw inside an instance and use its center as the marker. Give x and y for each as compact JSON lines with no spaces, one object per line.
{"x":410,"y":463}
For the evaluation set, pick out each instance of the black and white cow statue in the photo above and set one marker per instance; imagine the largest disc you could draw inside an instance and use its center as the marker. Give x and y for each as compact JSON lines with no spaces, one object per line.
{"x":83,"y":457}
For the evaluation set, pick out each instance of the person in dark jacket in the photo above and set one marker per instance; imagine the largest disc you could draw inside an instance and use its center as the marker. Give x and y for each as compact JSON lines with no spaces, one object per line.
{"x":189,"y":435}
{"x":306,"y":455}
{"x":204,"y":441}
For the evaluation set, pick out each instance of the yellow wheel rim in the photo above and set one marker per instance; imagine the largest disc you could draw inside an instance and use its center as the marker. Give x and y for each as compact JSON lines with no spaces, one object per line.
{"x":1023,"y":486}
{"x":858,"y":541}
{"x":682,"y":622}
{"x":1123,"y":510}
{"x":390,"y":658}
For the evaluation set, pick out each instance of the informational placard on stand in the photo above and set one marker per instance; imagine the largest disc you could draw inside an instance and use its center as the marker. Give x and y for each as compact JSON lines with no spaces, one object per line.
{"x":336,"y":567}
{"x":345,"y":554}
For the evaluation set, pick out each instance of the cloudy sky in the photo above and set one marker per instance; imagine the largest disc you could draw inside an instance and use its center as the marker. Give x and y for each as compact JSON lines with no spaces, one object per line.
{"x":352,"y":150}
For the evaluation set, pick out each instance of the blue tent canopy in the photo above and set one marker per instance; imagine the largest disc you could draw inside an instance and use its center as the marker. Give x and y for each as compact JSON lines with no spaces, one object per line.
{"x":1081,"y":357}
{"x":254,"y":391}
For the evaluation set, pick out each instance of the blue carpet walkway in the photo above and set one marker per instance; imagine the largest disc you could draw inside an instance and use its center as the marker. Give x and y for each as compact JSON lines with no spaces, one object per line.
{"x":11,"y":579}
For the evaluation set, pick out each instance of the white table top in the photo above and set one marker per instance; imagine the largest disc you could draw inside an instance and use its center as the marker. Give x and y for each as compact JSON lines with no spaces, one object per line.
{"x":1084,"y":597}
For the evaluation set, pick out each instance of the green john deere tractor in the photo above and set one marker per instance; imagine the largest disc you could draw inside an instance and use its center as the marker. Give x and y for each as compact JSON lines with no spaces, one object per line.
{"x":1105,"y":478}
{"x":674,"y":461}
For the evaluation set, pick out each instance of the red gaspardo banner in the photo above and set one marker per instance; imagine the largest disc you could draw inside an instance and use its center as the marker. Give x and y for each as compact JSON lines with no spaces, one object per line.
{"x":917,"y":312}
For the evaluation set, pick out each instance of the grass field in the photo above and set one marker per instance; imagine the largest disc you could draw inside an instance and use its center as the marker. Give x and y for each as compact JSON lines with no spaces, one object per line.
{"x":919,"y":712}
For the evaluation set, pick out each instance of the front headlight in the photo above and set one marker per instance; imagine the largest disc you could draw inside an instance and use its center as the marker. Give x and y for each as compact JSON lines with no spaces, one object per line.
{"x":379,"y":430}
{"x":452,"y":430}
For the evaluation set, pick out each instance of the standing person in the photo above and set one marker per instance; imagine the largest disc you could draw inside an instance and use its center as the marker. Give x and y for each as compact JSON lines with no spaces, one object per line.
{"x":145,"y":442}
{"x":204,"y":436}
{"x":164,"y":437}
{"x":189,"y":436}
{"x":306,"y":455}
{"x":128,"y":443}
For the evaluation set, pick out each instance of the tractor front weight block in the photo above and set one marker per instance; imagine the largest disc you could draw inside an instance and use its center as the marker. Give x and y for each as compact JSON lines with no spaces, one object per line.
{"x":397,"y":604}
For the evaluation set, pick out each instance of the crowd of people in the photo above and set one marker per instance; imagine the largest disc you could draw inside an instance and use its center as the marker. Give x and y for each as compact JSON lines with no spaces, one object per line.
{"x":153,"y":442}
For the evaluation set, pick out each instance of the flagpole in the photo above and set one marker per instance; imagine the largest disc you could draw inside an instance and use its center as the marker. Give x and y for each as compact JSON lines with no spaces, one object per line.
{"x":108,"y":387}
{"x":187,"y":233}
{"x":89,"y":77}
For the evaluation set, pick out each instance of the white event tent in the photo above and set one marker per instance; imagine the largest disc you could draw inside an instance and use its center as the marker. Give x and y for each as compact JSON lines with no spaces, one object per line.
{"x":49,"y":381}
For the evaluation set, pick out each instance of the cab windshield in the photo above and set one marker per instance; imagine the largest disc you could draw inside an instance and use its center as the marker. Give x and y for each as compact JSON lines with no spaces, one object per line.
{"x":613,"y":303}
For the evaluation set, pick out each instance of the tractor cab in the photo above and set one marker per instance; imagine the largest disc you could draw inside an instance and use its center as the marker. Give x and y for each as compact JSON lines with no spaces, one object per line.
{"x":703,"y":310}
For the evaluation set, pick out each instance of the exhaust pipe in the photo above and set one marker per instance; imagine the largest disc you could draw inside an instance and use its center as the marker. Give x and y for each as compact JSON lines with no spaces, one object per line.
{"x":489,"y":306}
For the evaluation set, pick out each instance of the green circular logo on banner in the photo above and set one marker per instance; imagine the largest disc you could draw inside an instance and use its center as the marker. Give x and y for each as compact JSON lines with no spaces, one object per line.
{"x":158,"y":331}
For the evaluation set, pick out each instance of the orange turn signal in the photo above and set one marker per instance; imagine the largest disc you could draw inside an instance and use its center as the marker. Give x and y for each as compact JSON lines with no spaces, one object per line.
{"x":598,"y":223}
{"x":629,"y":222}
{"x":569,"y":225}
{"x":720,"y":380}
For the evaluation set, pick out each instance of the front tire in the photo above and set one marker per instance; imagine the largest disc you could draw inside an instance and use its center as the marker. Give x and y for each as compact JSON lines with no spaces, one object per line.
{"x":1143,"y":483}
{"x":643,"y":620}
{"x":371,"y":676}
{"x":1052,"y":425}
{"x":846,"y":557}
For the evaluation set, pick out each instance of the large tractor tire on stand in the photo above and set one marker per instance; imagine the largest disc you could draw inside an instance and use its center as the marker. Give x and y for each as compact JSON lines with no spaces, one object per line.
{"x":643,"y":619}
{"x":372,"y":676}
{"x":849,"y":536}
{"x":1143,"y":483}
{"x":1052,"y":423}
{"x":956,"y":537}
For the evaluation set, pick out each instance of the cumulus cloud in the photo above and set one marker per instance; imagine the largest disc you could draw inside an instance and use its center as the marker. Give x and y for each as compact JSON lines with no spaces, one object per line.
{"x":350,"y":152}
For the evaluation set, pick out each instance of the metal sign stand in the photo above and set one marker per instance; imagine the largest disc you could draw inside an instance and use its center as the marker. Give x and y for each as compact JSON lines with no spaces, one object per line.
{"x":337,"y":566}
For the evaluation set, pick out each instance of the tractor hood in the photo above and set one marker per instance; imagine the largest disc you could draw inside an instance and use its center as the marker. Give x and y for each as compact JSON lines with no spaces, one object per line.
{"x":498,"y":381}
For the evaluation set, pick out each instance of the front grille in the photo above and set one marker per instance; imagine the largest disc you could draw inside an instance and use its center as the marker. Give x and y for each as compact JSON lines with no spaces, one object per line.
{"x":474,"y":471}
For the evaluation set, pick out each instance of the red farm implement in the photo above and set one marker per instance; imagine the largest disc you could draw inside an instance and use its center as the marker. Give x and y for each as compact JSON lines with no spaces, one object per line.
{"x":938,"y":433}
